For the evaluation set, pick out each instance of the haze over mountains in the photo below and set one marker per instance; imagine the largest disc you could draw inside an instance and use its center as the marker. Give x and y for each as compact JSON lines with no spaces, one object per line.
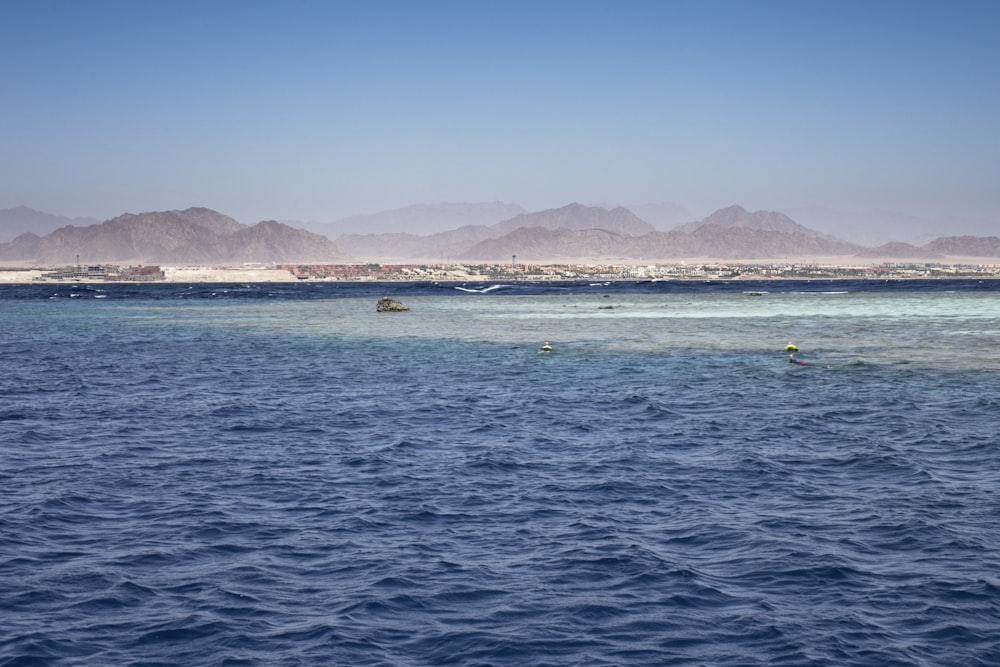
{"x":430,"y":218}
{"x":731,"y":233}
{"x":192,"y":236}
{"x":17,"y":221}
{"x":493,"y":232}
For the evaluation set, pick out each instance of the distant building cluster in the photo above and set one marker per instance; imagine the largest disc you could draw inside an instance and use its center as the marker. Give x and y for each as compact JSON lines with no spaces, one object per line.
{"x":361,"y":271}
{"x":106,"y":272}
{"x":631,"y":272}
{"x":542,"y":272}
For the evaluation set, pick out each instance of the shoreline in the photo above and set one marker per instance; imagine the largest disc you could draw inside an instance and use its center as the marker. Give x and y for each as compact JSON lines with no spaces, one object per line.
{"x":733,"y":271}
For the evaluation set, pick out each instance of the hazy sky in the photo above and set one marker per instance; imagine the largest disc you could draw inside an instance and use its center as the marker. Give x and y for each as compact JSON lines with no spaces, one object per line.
{"x":316,"y":110}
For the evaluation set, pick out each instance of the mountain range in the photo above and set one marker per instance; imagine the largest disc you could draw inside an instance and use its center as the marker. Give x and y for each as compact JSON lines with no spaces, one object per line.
{"x":19,"y":220}
{"x":456,"y":243}
{"x":567,"y":234}
{"x":192,"y":236}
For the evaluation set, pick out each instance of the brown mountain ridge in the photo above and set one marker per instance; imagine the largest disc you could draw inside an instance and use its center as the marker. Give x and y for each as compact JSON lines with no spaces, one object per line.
{"x":191,"y":236}
{"x":706,"y":241}
{"x":572,"y":233}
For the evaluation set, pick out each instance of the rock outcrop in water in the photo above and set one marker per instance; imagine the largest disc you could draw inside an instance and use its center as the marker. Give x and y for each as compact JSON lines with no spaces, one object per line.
{"x":389,"y":305}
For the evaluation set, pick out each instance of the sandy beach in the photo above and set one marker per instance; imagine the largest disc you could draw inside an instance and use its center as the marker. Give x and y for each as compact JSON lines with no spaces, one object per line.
{"x":192,"y":274}
{"x":195,"y":274}
{"x":10,"y":277}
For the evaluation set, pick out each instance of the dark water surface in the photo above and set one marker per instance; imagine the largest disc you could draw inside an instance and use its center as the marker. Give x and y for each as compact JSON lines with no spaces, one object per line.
{"x":254,"y":475}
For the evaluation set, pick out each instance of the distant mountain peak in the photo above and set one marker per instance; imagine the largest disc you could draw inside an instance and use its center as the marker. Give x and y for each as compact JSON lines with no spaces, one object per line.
{"x":576,"y":216}
{"x":734,"y":211}
{"x":736,"y":216}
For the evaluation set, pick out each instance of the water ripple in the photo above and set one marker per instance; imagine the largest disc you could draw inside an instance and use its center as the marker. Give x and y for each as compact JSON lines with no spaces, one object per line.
{"x":223,"y":495}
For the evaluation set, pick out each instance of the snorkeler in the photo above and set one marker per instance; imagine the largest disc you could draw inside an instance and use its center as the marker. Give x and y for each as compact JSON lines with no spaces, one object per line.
{"x":791,"y":349}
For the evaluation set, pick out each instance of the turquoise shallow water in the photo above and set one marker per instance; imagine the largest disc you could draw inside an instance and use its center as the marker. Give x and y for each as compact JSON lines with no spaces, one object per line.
{"x":225,"y":480}
{"x":939,"y":329}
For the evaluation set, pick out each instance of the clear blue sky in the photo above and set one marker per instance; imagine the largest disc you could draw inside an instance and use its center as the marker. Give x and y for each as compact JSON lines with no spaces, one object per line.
{"x":316,"y":110}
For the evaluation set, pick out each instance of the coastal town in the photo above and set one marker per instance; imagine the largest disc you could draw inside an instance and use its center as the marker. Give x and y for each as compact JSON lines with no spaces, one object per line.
{"x":492,"y":272}
{"x":682,"y":271}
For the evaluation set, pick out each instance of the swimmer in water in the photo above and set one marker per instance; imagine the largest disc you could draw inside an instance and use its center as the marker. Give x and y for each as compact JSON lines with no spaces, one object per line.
{"x":793,"y":360}
{"x":546,"y":347}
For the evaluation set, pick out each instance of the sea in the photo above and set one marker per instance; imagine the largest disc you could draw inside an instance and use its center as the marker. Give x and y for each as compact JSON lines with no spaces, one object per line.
{"x":279,"y":475}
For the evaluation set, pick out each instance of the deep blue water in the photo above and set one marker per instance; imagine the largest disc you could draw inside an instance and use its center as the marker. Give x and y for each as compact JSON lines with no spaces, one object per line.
{"x":348,"y":289}
{"x":195,"y":475}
